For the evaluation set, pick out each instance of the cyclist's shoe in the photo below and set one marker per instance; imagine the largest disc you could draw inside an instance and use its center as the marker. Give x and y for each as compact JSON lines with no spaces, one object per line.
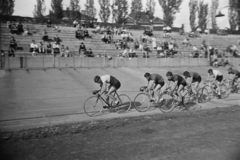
{"x":106,"y":107}
{"x":116,"y":103}
{"x":152,"y":100}
{"x":219,"y":96}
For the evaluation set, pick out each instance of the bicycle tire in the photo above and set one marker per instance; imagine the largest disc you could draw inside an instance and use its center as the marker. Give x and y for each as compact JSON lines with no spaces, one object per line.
{"x":211,"y":93}
{"x":167,"y":104}
{"x":142,"y":102}
{"x":124,"y":103}
{"x":203,"y":95}
{"x":224,"y":91}
{"x":93,"y":106}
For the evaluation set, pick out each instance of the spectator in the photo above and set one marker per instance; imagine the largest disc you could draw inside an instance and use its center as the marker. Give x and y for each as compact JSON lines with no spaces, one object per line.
{"x":49,"y":48}
{"x":20,"y":28}
{"x":118,"y":44}
{"x":206,"y":31}
{"x":11,"y":52}
{"x":33,"y":48}
{"x":146,"y":51}
{"x":26,"y":31}
{"x":13,"y":43}
{"x":49,"y":23}
{"x":132,"y":52}
{"x":41,"y":48}
{"x":75,"y":23}
{"x":62,"y":51}
{"x":57,"y":39}
{"x":187,"y":42}
{"x":89,"y":53}
{"x":82,"y":48}
{"x":56,"y":28}
{"x":124,"y":44}
{"x":45,"y":36}
{"x":159,"y":49}
{"x":154,"y":44}
{"x":79,"y":34}
{"x":56,"y":49}
{"x":67,"y":52}
{"x":126,"y":53}
{"x":2,"y":59}
{"x":14,"y":29}
{"x":136,"y":44}
{"x":104,"y":38}
{"x":86,"y":34}
{"x":195,"y":52}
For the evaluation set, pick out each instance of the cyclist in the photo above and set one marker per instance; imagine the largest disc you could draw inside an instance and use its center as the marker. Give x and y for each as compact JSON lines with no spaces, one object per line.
{"x":179,"y":84}
{"x":112,"y":83}
{"x":193,"y":77}
{"x":235,"y":73}
{"x":218,"y":77}
{"x":155,"y":82}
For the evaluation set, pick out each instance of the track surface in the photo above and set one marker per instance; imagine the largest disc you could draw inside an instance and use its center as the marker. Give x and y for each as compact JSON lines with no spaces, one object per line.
{"x":38,"y":98}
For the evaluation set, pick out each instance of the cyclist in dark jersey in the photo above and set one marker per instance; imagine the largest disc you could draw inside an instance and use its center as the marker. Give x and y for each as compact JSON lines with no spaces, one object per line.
{"x":193,"y":77}
{"x":110,"y":81}
{"x":235,"y":73}
{"x":155,"y":82}
{"x":179,"y":84}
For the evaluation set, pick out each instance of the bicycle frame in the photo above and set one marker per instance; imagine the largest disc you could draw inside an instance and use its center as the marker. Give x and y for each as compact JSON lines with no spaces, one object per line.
{"x":105,"y":101}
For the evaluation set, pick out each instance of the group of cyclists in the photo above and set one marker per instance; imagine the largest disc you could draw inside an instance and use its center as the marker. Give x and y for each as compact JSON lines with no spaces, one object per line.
{"x":110,"y":84}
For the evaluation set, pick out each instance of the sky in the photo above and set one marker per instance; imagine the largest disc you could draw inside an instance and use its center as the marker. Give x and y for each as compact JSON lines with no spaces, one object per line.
{"x":26,"y":7}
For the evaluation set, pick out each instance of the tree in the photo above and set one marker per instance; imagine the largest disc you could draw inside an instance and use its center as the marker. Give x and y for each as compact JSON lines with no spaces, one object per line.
{"x":104,"y":13}
{"x":170,"y":8}
{"x":74,"y":10}
{"x":213,"y":13}
{"x":136,"y":10}
{"x":6,"y":7}
{"x":90,"y":9}
{"x":120,"y":11}
{"x":233,"y":15}
{"x":193,"y":7}
{"x":150,"y":9}
{"x":202,"y":15}
{"x":57,"y":9}
{"x":39,"y":9}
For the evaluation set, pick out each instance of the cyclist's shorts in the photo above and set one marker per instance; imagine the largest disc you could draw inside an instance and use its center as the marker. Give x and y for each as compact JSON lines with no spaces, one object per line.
{"x":117,"y":85}
{"x":184,"y":84}
{"x":160,"y":83}
{"x":238,"y":75}
{"x":198,"y":79}
{"x":219,"y":78}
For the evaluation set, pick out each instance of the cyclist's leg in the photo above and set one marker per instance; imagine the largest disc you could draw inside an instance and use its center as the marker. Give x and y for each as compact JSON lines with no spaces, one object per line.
{"x":218,"y":82}
{"x":180,"y":88}
{"x":111,"y":90}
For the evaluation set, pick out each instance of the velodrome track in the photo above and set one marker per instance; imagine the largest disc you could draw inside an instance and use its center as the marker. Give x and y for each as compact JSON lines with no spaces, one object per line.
{"x":36,"y":98}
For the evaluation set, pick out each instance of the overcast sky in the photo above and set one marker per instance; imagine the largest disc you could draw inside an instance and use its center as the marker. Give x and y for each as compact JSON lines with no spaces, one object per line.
{"x":26,"y":7}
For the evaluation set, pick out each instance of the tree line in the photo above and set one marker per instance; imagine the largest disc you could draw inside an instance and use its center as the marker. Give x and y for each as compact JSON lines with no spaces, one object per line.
{"x":200,"y":14}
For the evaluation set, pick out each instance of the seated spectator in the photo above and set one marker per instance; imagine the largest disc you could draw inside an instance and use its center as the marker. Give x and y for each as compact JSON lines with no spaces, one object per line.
{"x":49,"y":48}
{"x":125,"y":53}
{"x":221,"y":63}
{"x":118,"y":44}
{"x":206,"y":31}
{"x":75,"y":23}
{"x":56,"y":28}
{"x":124,"y":44}
{"x":132,"y":52}
{"x":57,"y":39}
{"x":41,"y":48}
{"x":14,"y":29}
{"x":62,"y":51}
{"x":187,"y":42}
{"x":159,"y":49}
{"x":105,"y":38}
{"x":9,"y":25}
{"x":86,"y":34}
{"x":136,"y":44}
{"x":13,"y":43}
{"x":45,"y":36}
{"x":11,"y":52}
{"x":171,"y":47}
{"x":195,"y":52}
{"x":181,"y":31}
{"x":89,"y":53}
{"x":33,"y":48}
{"x":56,"y":49}
{"x":79,"y":34}
{"x":26,"y":31}
{"x":215,"y":63}
{"x":146,"y":51}
{"x":49,"y":23}
{"x":191,"y":34}
{"x":67,"y":53}
{"x":20,"y":28}
{"x":82,"y":48}
{"x":154,"y":44}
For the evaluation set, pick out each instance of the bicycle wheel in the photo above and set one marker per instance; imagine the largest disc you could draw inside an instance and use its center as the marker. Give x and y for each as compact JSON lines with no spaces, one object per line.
{"x":167,"y":104}
{"x":210,"y":91}
{"x":124,"y":103}
{"x":93,"y":106}
{"x":142,"y":102}
{"x":224,"y":91}
{"x":203,"y":95}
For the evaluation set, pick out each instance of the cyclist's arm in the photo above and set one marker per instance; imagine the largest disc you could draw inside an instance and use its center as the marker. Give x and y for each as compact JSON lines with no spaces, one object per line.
{"x":150,"y":84}
{"x":190,"y":79}
{"x":103,"y":87}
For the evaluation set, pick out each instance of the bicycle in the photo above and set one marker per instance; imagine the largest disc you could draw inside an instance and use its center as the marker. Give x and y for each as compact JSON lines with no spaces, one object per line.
{"x":94,"y":105}
{"x":144,"y":100}
{"x":212,"y":89}
{"x":235,"y":88}
{"x":173,"y":100}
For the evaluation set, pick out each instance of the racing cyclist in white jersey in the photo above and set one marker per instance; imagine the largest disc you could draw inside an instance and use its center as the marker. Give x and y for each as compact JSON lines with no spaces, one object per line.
{"x":217,"y":77}
{"x":109,"y":85}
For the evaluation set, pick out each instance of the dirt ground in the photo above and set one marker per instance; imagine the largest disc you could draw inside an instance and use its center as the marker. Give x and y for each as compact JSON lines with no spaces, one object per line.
{"x":212,"y":134}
